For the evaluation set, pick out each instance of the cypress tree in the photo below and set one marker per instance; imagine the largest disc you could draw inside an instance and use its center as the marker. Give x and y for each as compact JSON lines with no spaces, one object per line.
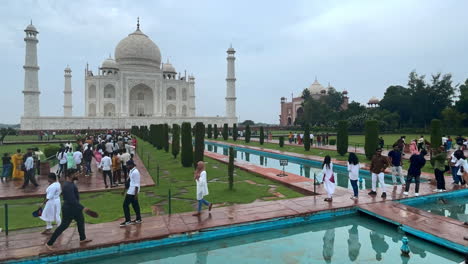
{"x":371,"y":132}
{"x":166,"y":137}
{"x":187,"y":147}
{"x":342,"y":137}
{"x":307,"y":137}
{"x":247,"y":134}
{"x":436,"y":133}
{"x":262,"y":136}
{"x":225,"y":131}
{"x":234,"y":132}
{"x":153,"y":135}
{"x":199,"y":143}
{"x":175,"y":140}
{"x":231,"y":168}
{"x":281,"y":141}
{"x":215,"y":131}
{"x":209,"y":131}
{"x":159,"y":136}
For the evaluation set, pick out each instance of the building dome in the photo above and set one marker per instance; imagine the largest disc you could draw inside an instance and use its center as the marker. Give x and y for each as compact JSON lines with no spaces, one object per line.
{"x":316,"y":88}
{"x":138,"y":49}
{"x":167,"y":67}
{"x":109,"y":63}
{"x":31,"y":27}
{"x":345,"y":92}
{"x":373,"y":100}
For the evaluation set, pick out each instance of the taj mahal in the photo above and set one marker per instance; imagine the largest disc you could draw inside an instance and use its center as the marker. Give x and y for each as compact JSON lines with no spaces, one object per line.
{"x":133,"y":88}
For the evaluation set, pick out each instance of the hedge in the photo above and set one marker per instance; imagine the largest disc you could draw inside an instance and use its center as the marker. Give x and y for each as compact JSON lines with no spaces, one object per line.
{"x":187,"y":148}
{"x":209,"y":131}
{"x":225,"y":131}
{"x":436,"y":133}
{"x":234,"y":132}
{"x":342,"y":138}
{"x":175,"y":140}
{"x":231,"y":168}
{"x":371,"y":133}
{"x":215,"y":131}
{"x":199,"y":143}
{"x":307,"y":138}
{"x":262,"y":136}
{"x":281,"y":141}
{"x":247,"y":134}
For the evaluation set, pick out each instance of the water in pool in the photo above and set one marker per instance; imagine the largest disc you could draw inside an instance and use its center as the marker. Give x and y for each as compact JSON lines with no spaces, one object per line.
{"x":350,"y":239}
{"x":455,"y":208}
{"x":305,"y":168}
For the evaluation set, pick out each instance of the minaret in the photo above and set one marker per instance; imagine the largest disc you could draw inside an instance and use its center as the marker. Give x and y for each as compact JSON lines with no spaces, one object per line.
{"x":191,"y":94}
{"x":231,"y":84}
{"x":67,"y":93}
{"x":31,"y":82}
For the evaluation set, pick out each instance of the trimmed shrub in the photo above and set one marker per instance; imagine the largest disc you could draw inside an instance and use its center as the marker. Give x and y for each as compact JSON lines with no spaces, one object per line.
{"x":215,"y":131}
{"x":51,"y":151}
{"x":371,"y":133}
{"x":160,"y":136}
{"x":231,"y":168}
{"x":175,"y":140}
{"x":225,"y":131}
{"x":234,"y":132}
{"x":166,"y":137}
{"x":262,"y":136}
{"x":281,"y":141}
{"x":247,"y":134}
{"x":199,"y":143}
{"x":187,"y":148}
{"x":436,"y":133}
{"x":209,"y":131}
{"x":332,"y":142}
{"x":153,"y":135}
{"x":342,"y":138}
{"x":307,"y":138}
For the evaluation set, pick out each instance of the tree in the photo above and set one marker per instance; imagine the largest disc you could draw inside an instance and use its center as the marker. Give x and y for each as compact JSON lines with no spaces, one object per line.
{"x":231,"y":168}
{"x":247,"y":134}
{"x":398,"y":99}
{"x":462,"y":104}
{"x":187,"y":148}
{"x":281,"y":141}
{"x":262,"y":135}
{"x":199,"y":143}
{"x":153,"y":135}
{"x":215,"y":130}
{"x":436,"y":133}
{"x":166,"y":137}
{"x":175,"y":140}
{"x":248,"y":123}
{"x":371,"y":132}
{"x":452,"y":118}
{"x":234,"y":132}
{"x":342,"y":138}
{"x":5,"y":132}
{"x":225,"y":131}
{"x":209,"y":131}
{"x":307,"y":138}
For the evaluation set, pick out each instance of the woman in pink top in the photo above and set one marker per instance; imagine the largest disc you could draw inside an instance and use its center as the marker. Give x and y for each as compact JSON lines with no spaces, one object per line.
{"x":414,"y":148}
{"x":134,"y":142}
{"x":98,"y":157}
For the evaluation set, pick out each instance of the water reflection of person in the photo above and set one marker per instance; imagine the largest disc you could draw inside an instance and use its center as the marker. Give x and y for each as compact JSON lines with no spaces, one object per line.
{"x":202,"y":257}
{"x":247,"y":157}
{"x":353,"y":243}
{"x":378,"y":244}
{"x":261,"y":160}
{"x":328,"y":245}
{"x":307,"y":171}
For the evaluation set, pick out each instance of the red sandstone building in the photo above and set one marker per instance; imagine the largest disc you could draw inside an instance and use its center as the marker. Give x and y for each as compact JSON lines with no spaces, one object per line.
{"x":292,"y":110}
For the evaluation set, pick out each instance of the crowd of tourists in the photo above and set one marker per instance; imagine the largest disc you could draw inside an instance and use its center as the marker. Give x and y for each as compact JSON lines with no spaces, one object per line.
{"x":317,"y":140}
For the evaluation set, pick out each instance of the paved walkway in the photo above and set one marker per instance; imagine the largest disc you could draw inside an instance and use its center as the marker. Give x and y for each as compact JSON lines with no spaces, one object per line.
{"x":93,"y":183}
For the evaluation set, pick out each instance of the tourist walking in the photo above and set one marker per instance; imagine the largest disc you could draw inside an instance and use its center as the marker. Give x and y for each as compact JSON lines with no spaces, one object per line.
{"x":413,"y":147}
{"x":202,"y":187}
{"x":17,"y":162}
{"x":396,"y":160}
{"x":29,"y":171}
{"x":106,"y":165}
{"x":71,"y":210}
{"x":88,"y":157}
{"x":353,"y":173}
{"x":62,"y":159}
{"x":462,"y":164}
{"x":328,"y":178}
{"x":6,"y":172}
{"x":381,"y":142}
{"x":417,"y":162}
{"x":116,"y":168}
{"x":378,"y":165}
{"x":98,"y":158}
{"x":78,"y":157}
{"x":439,"y":158}
{"x":124,"y":158}
{"x":131,"y":197}
{"x":51,"y":204}
{"x":421,"y":142}
{"x":71,"y":165}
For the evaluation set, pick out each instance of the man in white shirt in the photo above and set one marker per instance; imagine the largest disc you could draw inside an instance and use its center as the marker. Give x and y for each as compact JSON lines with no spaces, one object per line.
{"x":77,"y":157}
{"x":124,"y":158}
{"x":106,"y":166}
{"x":29,"y":175}
{"x":109,"y":147}
{"x":131,"y":196}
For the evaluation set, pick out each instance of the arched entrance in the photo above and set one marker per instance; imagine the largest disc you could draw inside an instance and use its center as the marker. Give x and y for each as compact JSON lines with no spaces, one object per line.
{"x":141,"y":101}
{"x":289,"y":121}
{"x":92,"y":110}
{"x":109,"y":109}
{"x":299,"y":114}
{"x":171,"y":110}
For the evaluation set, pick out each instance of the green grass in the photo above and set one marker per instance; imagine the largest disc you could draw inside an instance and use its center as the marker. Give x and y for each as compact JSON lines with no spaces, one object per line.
{"x":36,"y":137}
{"x":172,"y":176}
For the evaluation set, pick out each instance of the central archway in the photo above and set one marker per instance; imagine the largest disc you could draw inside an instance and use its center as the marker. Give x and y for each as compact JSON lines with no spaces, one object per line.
{"x":141,"y":101}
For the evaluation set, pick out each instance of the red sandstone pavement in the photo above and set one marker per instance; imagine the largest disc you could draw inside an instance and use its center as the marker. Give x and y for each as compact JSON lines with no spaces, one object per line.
{"x":94,"y":183}
{"x":156,"y":227}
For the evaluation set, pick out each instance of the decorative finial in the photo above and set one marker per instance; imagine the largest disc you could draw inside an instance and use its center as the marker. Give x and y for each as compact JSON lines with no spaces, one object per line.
{"x":138,"y":23}
{"x":315,"y":77}
{"x":31,"y":21}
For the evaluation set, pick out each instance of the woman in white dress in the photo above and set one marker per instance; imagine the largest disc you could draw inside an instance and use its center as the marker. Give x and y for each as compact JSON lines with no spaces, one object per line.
{"x":51,"y":212}
{"x":328,"y":178}
{"x":202,"y":187}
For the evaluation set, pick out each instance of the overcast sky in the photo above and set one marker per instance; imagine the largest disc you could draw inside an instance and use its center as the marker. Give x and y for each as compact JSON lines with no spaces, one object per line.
{"x":360,"y":46}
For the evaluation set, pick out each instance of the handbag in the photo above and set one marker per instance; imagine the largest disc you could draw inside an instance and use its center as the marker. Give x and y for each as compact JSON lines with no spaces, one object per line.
{"x":37,"y":213}
{"x":332,"y":178}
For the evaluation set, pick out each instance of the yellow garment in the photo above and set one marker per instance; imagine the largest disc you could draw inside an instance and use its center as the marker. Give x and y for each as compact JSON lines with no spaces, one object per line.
{"x":17,"y":160}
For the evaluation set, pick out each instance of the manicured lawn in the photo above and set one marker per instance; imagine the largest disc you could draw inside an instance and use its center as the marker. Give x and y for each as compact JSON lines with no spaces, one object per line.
{"x":36,"y":137}
{"x":314,"y":151}
{"x":172,"y":176}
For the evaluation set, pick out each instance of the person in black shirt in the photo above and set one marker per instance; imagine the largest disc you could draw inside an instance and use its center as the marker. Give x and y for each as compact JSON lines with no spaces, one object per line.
{"x":6,"y":161}
{"x":71,"y":210}
{"x":414,"y":171}
{"x":88,"y":157}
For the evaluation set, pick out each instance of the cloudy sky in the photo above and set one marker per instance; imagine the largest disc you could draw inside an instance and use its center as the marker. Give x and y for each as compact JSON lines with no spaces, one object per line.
{"x":360,"y":46}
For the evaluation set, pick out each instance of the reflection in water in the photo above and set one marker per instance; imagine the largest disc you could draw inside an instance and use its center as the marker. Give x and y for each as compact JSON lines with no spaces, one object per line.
{"x":328,"y":245}
{"x":378,"y":244}
{"x":454,"y":208}
{"x":261,"y":160}
{"x":353,"y":243}
{"x":210,"y":147}
{"x":202,"y":257}
{"x":247,"y":156}
{"x":225,"y":151}
{"x":215,"y":149}
{"x":307,"y":171}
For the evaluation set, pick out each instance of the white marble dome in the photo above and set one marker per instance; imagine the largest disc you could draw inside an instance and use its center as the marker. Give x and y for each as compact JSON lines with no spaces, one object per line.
{"x":167,"y":67}
{"x":316,"y":88}
{"x":109,"y":63}
{"x":31,"y":27}
{"x":138,"y":49}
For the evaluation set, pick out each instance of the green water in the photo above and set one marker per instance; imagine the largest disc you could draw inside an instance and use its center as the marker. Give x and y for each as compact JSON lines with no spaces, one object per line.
{"x":350,"y":239}
{"x":455,"y":208}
